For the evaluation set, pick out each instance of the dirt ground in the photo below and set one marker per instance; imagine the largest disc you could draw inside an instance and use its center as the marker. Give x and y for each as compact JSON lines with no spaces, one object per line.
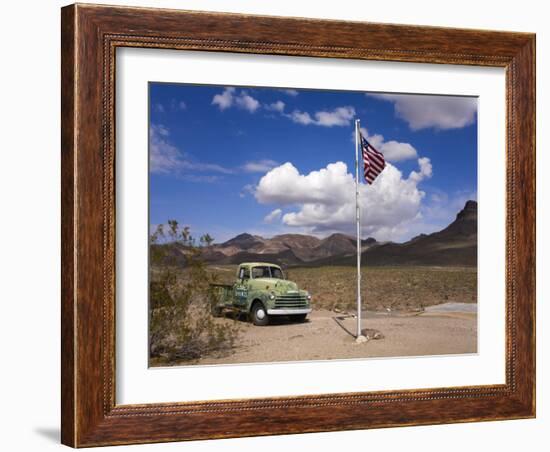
{"x":450,"y":329}
{"x":416,"y":311}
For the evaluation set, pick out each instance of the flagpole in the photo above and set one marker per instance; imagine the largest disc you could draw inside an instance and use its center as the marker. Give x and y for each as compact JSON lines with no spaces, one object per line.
{"x":359,"y":337}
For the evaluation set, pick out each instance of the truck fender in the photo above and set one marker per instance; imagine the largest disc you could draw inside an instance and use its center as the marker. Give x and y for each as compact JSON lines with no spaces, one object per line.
{"x":254,"y":301}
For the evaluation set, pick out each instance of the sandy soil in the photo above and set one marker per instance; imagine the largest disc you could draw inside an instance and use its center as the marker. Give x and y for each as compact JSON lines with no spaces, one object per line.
{"x":329,"y":335}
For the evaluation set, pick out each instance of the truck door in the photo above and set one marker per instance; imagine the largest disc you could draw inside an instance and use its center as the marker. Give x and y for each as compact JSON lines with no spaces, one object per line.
{"x":241,"y":287}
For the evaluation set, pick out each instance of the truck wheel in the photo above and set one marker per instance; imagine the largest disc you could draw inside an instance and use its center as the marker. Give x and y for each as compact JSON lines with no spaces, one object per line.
{"x":216,"y":311}
{"x":259,"y":315}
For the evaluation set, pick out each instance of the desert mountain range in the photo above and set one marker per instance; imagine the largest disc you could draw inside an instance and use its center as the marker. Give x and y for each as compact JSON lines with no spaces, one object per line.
{"x":455,"y":245}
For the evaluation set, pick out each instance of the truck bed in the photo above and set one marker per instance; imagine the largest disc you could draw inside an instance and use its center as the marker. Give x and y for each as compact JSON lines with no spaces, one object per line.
{"x":224,"y":293}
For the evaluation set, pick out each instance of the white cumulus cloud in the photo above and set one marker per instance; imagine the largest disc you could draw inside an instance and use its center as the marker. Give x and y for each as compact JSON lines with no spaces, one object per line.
{"x":425,"y":170}
{"x":231,"y":97}
{"x":340,"y":116}
{"x":273,"y":216}
{"x":278,"y":106}
{"x":285,"y":185}
{"x":324,"y":200}
{"x":300,"y":117}
{"x":289,"y":92}
{"x":247,"y":102}
{"x":394,"y":151}
{"x":439,"y":112}
{"x":225,"y":99}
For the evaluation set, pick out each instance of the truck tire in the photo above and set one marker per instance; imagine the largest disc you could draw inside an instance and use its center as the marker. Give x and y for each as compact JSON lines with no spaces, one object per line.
{"x":259,"y":314}
{"x":216,"y":311}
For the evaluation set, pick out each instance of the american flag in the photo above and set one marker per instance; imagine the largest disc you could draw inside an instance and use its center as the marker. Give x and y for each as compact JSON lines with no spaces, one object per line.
{"x":372,"y":159}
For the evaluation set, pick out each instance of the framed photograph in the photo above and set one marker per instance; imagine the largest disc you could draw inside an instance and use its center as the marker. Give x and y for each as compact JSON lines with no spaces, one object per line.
{"x":282,"y":225}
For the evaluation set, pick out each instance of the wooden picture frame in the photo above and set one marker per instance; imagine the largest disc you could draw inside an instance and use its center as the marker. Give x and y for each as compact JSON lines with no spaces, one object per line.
{"x":90,"y":36}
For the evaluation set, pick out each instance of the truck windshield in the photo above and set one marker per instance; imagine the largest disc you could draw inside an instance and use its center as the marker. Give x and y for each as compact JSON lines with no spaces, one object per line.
{"x":267,"y":272}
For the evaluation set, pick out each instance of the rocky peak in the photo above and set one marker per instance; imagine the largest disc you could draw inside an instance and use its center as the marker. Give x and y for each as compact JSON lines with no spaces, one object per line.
{"x":243,"y":241}
{"x":469,"y":212}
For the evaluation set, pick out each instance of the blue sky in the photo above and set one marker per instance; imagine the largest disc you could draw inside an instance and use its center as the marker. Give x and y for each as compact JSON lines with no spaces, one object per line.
{"x":227,"y":160}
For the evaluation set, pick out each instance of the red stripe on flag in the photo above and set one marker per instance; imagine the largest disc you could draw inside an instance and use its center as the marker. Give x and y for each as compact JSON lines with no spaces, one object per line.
{"x":373,"y":161}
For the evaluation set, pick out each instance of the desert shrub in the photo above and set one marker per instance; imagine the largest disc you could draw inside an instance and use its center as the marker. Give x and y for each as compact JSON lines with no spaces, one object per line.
{"x":181,"y":301}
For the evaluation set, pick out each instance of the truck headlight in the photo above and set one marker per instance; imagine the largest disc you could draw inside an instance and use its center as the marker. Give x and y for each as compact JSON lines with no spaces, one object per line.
{"x":271,"y":296}
{"x":308,"y":296}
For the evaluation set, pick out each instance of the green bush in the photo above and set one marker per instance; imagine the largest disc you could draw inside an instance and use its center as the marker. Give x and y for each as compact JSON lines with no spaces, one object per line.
{"x":181,"y":324}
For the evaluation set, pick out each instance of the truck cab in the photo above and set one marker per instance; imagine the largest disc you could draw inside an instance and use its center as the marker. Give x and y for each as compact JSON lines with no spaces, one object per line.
{"x":261,"y":291}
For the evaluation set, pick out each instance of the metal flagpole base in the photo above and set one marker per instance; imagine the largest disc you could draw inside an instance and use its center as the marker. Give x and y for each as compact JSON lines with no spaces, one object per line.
{"x":361,"y":339}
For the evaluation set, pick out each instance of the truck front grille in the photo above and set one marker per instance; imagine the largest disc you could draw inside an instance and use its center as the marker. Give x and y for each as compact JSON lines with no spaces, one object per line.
{"x":290,"y":301}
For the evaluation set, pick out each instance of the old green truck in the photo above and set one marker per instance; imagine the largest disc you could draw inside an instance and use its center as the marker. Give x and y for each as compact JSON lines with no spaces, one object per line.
{"x":261,"y":292}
